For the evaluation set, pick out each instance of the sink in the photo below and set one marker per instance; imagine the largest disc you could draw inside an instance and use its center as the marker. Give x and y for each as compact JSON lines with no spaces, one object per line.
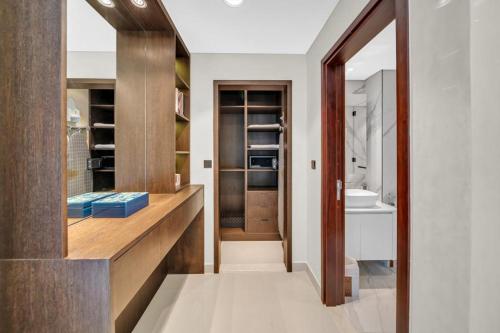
{"x":355,"y":198}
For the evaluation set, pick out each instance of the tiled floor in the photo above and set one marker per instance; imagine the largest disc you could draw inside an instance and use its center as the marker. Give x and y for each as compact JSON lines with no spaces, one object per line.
{"x":277,"y":302}
{"x":376,"y":275}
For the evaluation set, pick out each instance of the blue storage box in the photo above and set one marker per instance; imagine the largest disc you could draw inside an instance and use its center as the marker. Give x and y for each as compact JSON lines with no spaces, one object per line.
{"x":120,"y":205}
{"x":80,"y":206}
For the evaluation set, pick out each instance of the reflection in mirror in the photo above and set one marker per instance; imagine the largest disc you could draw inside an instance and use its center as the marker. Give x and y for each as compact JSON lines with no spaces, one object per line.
{"x":91,"y":72}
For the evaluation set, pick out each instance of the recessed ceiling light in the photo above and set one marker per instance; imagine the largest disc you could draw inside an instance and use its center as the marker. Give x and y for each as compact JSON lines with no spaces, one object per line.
{"x":107,"y":3}
{"x":234,"y":3}
{"x":140,"y":3}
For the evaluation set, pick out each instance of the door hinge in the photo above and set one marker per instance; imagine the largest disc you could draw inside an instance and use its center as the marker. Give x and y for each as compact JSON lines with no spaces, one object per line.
{"x":339,"y":189}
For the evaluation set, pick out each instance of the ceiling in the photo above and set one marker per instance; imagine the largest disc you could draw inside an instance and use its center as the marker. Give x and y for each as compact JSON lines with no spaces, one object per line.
{"x":379,"y":54}
{"x":258,"y":26}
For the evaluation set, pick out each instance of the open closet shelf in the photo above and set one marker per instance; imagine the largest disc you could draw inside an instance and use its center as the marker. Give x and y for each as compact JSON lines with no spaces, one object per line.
{"x":232,"y":170}
{"x":180,"y":83}
{"x":232,"y":109}
{"x":180,"y":117}
{"x":264,"y":108}
{"x":263,"y":170}
{"x":180,"y":152}
{"x":103,"y":106}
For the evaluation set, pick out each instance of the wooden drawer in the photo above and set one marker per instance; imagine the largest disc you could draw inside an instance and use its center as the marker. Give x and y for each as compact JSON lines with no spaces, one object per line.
{"x":132,"y":269}
{"x":262,"y":212}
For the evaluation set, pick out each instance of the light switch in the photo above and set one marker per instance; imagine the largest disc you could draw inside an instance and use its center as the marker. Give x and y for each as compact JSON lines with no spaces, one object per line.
{"x":313,"y":164}
{"x":207,"y":164}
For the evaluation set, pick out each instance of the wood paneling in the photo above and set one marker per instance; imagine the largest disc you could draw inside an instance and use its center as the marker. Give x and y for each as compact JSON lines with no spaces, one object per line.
{"x":130,"y":118}
{"x":132,"y":269}
{"x":373,"y":19}
{"x":160,"y":113}
{"x":32,"y":122}
{"x":58,"y":295}
{"x":187,"y":255}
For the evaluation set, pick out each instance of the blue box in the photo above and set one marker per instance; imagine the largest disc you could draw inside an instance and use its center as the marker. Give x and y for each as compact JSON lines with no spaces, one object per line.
{"x":120,"y":205}
{"x":80,"y":206}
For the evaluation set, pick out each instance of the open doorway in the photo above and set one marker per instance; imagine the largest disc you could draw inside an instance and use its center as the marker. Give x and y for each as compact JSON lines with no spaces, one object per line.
{"x":355,"y":90}
{"x":252,"y":176}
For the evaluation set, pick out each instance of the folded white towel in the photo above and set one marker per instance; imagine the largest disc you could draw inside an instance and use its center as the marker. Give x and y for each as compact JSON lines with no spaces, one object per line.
{"x":264,"y":147}
{"x":103,"y":125}
{"x":104,"y":146}
{"x":264,"y":126}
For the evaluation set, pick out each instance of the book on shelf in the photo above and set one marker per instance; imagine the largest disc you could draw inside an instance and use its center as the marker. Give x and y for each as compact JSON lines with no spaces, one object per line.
{"x":179,"y":102}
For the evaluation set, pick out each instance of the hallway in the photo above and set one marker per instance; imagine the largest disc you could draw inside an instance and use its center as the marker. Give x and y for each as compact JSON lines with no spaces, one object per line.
{"x":263,"y":302}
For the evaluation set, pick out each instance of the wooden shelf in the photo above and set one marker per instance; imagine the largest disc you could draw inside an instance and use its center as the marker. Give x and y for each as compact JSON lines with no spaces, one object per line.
{"x":232,"y":109}
{"x":182,"y":118}
{"x":262,"y":188}
{"x":106,"y":128}
{"x":232,"y":170}
{"x":103,"y":106}
{"x":263,"y":170}
{"x":182,"y":152}
{"x":104,"y":170}
{"x":180,"y":83}
{"x":264,"y":108}
{"x":94,"y":148}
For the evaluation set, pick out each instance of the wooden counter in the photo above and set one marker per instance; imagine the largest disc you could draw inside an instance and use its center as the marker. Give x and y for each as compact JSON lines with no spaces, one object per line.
{"x":108,"y":238}
{"x":112,"y":270}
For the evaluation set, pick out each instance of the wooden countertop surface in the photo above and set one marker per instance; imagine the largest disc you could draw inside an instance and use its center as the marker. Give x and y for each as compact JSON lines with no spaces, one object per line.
{"x":109,"y":238}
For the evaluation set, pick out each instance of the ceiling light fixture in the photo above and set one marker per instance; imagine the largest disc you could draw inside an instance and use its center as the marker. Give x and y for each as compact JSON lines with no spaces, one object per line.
{"x":234,"y":3}
{"x":140,"y":3}
{"x":107,"y":3}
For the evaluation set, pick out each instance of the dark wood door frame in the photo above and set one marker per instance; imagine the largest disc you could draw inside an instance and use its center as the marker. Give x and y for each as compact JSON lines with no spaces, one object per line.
{"x":255,"y":85}
{"x":371,"y":21}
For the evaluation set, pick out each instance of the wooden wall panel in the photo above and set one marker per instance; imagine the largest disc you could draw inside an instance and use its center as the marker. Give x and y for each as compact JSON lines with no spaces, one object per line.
{"x":160,"y":113}
{"x":130,"y":118}
{"x":46,"y":296}
{"x":32,"y":123}
{"x":187,"y":255}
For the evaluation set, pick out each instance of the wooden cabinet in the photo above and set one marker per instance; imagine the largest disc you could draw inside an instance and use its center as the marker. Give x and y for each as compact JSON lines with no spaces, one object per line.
{"x":262,"y":211}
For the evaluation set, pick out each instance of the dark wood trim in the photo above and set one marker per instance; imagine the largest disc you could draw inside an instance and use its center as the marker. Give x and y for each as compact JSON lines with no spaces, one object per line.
{"x":77,"y":83}
{"x":372,"y":20}
{"x":220,"y":85}
{"x":403,"y":166}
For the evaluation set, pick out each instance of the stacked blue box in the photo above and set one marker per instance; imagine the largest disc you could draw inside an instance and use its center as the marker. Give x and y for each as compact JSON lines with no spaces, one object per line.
{"x":120,"y":205}
{"x":80,"y":206}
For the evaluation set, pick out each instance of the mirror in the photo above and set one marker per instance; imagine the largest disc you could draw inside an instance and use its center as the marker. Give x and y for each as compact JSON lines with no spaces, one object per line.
{"x":91,"y":109}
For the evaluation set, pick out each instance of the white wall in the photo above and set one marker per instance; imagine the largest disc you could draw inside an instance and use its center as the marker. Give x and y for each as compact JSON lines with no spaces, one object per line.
{"x":345,"y":12}
{"x":205,"y":68}
{"x":440,"y":157}
{"x":96,"y":65}
{"x":485,"y":277}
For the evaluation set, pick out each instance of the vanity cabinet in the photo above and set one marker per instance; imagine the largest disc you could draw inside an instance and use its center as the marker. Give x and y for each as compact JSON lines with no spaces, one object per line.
{"x":371,"y":233}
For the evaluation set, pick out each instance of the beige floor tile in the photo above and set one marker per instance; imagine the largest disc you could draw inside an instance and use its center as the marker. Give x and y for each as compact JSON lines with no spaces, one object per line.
{"x":249,"y":302}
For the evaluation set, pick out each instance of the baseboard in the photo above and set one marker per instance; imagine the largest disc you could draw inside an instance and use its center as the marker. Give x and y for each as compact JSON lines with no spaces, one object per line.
{"x":304,"y":267}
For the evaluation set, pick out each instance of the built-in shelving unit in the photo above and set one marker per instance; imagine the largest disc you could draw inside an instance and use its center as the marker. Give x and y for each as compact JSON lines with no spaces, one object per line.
{"x":102,"y":111}
{"x":247,"y":195}
{"x":182,"y":117}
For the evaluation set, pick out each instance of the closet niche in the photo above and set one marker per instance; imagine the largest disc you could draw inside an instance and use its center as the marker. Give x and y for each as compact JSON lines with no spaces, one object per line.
{"x":252,"y":162}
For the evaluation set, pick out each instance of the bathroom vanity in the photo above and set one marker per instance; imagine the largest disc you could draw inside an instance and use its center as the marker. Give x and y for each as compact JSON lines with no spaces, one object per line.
{"x":370,"y":233}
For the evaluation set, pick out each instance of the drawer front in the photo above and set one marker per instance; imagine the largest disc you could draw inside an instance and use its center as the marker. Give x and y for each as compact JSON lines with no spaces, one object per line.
{"x":262,"y":205}
{"x":175,"y":224}
{"x":262,"y":212}
{"x":132,"y":269}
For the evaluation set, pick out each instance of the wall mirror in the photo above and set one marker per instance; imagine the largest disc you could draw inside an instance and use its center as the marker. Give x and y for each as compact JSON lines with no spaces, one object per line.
{"x":91,"y":105}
